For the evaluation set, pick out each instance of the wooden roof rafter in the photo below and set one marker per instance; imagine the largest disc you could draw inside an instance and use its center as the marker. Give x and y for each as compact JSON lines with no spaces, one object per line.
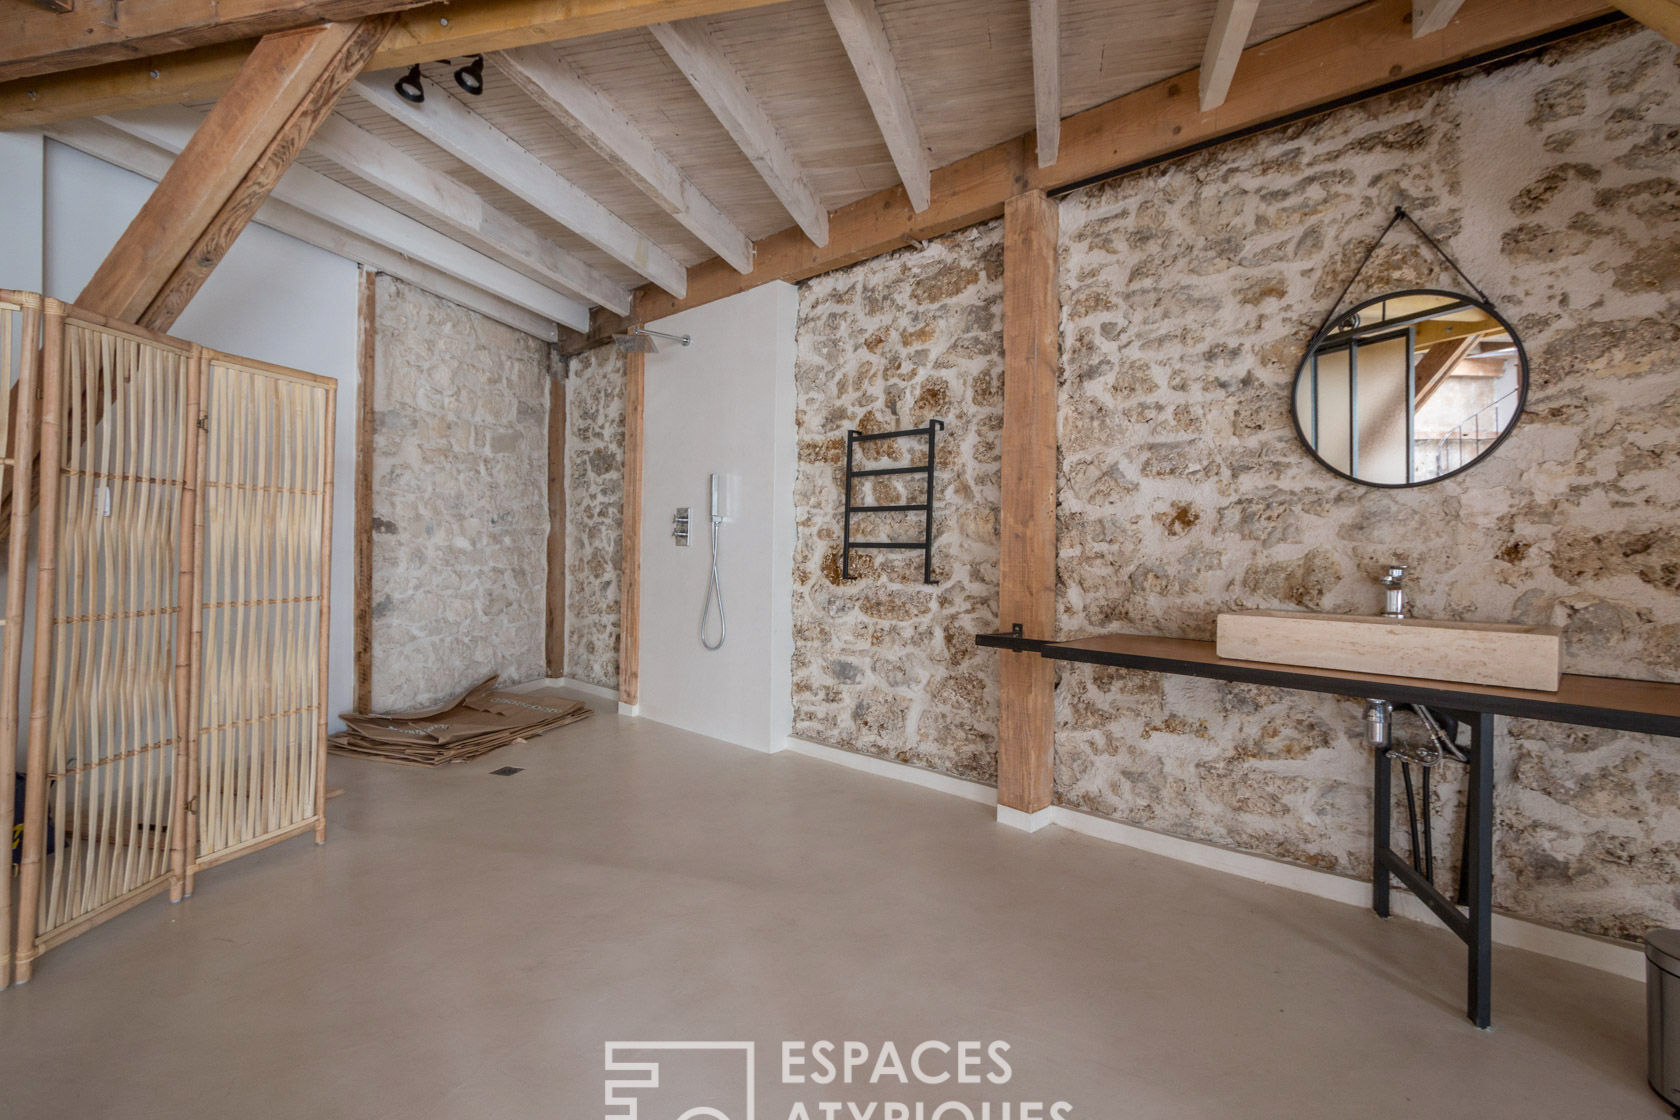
{"x":865,"y":39}
{"x":462,"y":209}
{"x":474,"y":140}
{"x":590,"y":115}
{"x":708,"y":70}
{"x":171,"y":129}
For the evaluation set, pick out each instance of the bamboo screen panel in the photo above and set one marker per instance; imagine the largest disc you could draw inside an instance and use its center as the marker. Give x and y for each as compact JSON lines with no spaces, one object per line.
{"x":104,"y":747}
{"x":20,"y":357}
{"x":260,"y":692}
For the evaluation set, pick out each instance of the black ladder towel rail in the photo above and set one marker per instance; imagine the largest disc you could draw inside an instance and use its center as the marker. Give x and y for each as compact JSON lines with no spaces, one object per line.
{"x":924,"y":507}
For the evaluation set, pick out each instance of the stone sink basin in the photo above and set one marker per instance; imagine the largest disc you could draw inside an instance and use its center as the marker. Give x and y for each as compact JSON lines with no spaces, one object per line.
{"x":1462,"y":652}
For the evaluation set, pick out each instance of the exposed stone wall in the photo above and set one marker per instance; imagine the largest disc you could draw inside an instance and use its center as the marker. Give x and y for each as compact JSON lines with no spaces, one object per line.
{"x":1188,"y":294}
{"x":885,"y":664}
{"x":460,"y":498}
{"x":594,"y":513}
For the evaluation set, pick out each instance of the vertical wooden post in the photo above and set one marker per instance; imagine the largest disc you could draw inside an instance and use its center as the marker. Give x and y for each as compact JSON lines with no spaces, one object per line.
{"x":630,"y":586}
{"x":366,"y":353}
{"x":555,"y":619}
{"x":1027,"y":560}
{"x":46,"y":607}
{"x":20,"y":449}
{"x":187,"y":610}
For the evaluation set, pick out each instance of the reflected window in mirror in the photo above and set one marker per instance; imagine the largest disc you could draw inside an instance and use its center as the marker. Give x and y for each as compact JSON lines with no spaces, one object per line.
{"x":1409,"y":388}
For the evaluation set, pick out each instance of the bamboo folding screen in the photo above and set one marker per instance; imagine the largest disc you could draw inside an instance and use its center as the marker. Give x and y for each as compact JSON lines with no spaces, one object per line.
{"x":182,"y":562}
{"x":116,"y":438}
{"x":260,"y":692}
{"x":20,"y":361}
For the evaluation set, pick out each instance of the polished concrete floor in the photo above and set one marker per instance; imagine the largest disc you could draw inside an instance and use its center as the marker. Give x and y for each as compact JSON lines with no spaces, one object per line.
{"x":465,"y":945}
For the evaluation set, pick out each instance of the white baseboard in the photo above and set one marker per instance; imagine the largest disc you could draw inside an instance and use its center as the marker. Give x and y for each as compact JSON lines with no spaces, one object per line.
{"x":1595,"y":952}
{"x":1026,"y":822}
{"x":587,"y":689}
{"x":775,"y":746}
{"x":886,"y":768}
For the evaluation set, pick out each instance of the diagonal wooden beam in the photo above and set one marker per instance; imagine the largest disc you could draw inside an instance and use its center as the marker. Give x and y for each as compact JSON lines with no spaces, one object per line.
{"x":590,"y":115}
{"x":1231,"y":23}
{"x":1661,"y":16}
{"x":498,"y":157}
{"x":1429,"y":16}
{"x":725,"y":92}
{"x":1047,"y":78}
{"x":102,"y":141}
{"x":285,"y":89}
{"x":1342,"y":57}
{"x":116,"y":80}
{"x":865,"y":39}
{"x":331,"y":201}
{"x":455,"y":204}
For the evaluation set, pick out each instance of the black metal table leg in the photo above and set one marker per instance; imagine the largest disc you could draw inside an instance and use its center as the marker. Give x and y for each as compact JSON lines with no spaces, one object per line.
{"x":1381,"y":811}
{"x":1478,"y":871}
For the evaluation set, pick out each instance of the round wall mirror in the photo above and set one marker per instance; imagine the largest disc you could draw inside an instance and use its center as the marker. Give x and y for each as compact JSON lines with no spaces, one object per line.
{"x":1410,"y":387}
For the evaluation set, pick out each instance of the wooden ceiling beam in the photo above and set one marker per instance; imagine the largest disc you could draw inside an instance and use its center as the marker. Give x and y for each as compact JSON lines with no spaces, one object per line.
{"x":455,"y":204}
{"x":865,"y":38}
{"x":102,"y":141}
{"x":498,"y":157}
{"x":1661,"y":16}
{"x":1046,"y":20}
{"x":592,"y":117}
{"x":725,"y":92}
{"x":36,"y":43}
{"x":1429,"y":16}
{"x":229,"y":165}
{"x":330,"y":201}
{"x":1323,"y":64}
{"x":1232,"y":21}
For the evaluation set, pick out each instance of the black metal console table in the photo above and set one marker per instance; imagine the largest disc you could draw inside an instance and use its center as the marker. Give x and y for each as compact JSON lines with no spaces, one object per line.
{"x":1624,"y":705}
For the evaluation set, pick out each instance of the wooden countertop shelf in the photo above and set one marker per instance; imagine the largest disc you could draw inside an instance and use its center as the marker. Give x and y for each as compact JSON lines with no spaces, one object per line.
{"x":1652,"y":707}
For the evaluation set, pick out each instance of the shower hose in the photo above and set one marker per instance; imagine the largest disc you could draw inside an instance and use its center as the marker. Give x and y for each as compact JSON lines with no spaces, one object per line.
{"x":714,"y":592}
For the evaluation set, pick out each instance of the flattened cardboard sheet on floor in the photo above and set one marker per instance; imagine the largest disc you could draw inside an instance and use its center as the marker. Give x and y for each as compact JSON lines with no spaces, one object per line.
{"x":475,"y":723}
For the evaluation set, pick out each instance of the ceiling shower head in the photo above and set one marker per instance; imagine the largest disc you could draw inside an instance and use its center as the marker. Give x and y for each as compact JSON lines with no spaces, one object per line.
{"x":640,"y":340}
{"x":634,"y":343}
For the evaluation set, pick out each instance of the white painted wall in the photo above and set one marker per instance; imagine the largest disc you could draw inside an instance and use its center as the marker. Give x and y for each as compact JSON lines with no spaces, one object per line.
{"x":273,"y":298}
{"x":725,"y":405}
{"x":23,"y":156}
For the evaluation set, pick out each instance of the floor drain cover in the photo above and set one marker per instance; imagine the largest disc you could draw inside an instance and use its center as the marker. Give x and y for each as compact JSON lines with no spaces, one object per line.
{"x":506,"y":770}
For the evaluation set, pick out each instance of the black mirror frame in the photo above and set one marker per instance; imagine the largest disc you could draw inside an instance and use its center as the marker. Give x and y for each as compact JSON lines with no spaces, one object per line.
{"x":1329,"y":328}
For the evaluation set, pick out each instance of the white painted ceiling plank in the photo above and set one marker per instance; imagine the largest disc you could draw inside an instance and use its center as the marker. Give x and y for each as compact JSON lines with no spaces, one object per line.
{"x":865,"y":40}
{"x":475,"y":141}
{"x":725,"y":92}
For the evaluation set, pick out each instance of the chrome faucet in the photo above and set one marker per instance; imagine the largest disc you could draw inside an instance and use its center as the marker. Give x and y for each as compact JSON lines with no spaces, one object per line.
{"x":1393,"y":581}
